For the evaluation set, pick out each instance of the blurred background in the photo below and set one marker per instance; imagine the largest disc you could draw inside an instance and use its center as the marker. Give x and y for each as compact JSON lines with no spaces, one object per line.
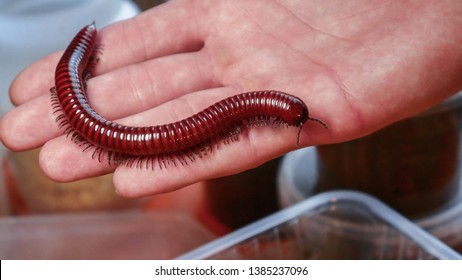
{"x":412,"y":166}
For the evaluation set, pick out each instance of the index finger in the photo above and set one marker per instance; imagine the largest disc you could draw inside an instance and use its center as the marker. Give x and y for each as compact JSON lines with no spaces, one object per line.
{"x":160,"y":31}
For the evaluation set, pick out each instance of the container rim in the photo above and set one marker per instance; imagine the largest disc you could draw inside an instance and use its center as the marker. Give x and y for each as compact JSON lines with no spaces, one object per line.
{"x":426,"y":242}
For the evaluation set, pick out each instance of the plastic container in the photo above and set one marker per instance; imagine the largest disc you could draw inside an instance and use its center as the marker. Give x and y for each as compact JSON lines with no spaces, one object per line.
{"x":331,"y":225}
{"x":103,"y":235}
{"x":298,"y":176}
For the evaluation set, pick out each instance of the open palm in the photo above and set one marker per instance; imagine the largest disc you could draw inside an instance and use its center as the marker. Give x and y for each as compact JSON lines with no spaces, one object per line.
{"x":358,"y":65}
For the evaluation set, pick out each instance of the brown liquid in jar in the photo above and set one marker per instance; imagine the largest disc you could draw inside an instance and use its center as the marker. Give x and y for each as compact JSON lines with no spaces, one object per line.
{"x":411,"y":165}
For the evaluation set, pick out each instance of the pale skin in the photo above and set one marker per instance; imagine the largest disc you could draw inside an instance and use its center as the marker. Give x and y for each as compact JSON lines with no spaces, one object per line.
{"x":359,"y":66}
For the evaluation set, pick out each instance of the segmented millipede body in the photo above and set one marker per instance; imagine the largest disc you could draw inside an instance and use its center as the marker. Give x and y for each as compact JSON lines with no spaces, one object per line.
{"x":182,"y":140}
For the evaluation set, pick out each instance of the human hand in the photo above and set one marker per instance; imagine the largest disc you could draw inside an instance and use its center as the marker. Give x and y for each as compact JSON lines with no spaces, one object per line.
{"x":358,"y":65}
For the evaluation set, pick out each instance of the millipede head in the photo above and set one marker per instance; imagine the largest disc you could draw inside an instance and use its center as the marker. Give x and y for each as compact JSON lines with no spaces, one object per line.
{"x":298,"y":114}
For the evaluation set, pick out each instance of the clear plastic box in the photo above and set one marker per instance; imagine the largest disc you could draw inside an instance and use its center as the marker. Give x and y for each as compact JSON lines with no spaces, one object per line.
{"x":331,"y":225}
{"x":298,"y":175}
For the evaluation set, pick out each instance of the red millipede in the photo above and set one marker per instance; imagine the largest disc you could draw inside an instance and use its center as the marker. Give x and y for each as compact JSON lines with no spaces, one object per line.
{"x":181,"y":140}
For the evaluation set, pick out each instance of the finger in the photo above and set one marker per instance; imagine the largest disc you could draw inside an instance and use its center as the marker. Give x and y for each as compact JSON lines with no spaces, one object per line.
{"x":161,"y":31}
{"x":35,"y":80}
{"x":29,"y":125}
{"x":75,"y":162}
{"x":148,"y":84}
{"x":164,"y":30}
{"x":143,"y":85}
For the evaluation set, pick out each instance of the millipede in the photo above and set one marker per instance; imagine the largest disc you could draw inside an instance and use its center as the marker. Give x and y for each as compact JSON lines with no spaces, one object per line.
{"x":180,"y":141}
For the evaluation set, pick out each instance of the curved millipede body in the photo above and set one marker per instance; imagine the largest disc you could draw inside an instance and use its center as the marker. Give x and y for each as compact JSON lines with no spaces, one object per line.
{"x":186,"y":138}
